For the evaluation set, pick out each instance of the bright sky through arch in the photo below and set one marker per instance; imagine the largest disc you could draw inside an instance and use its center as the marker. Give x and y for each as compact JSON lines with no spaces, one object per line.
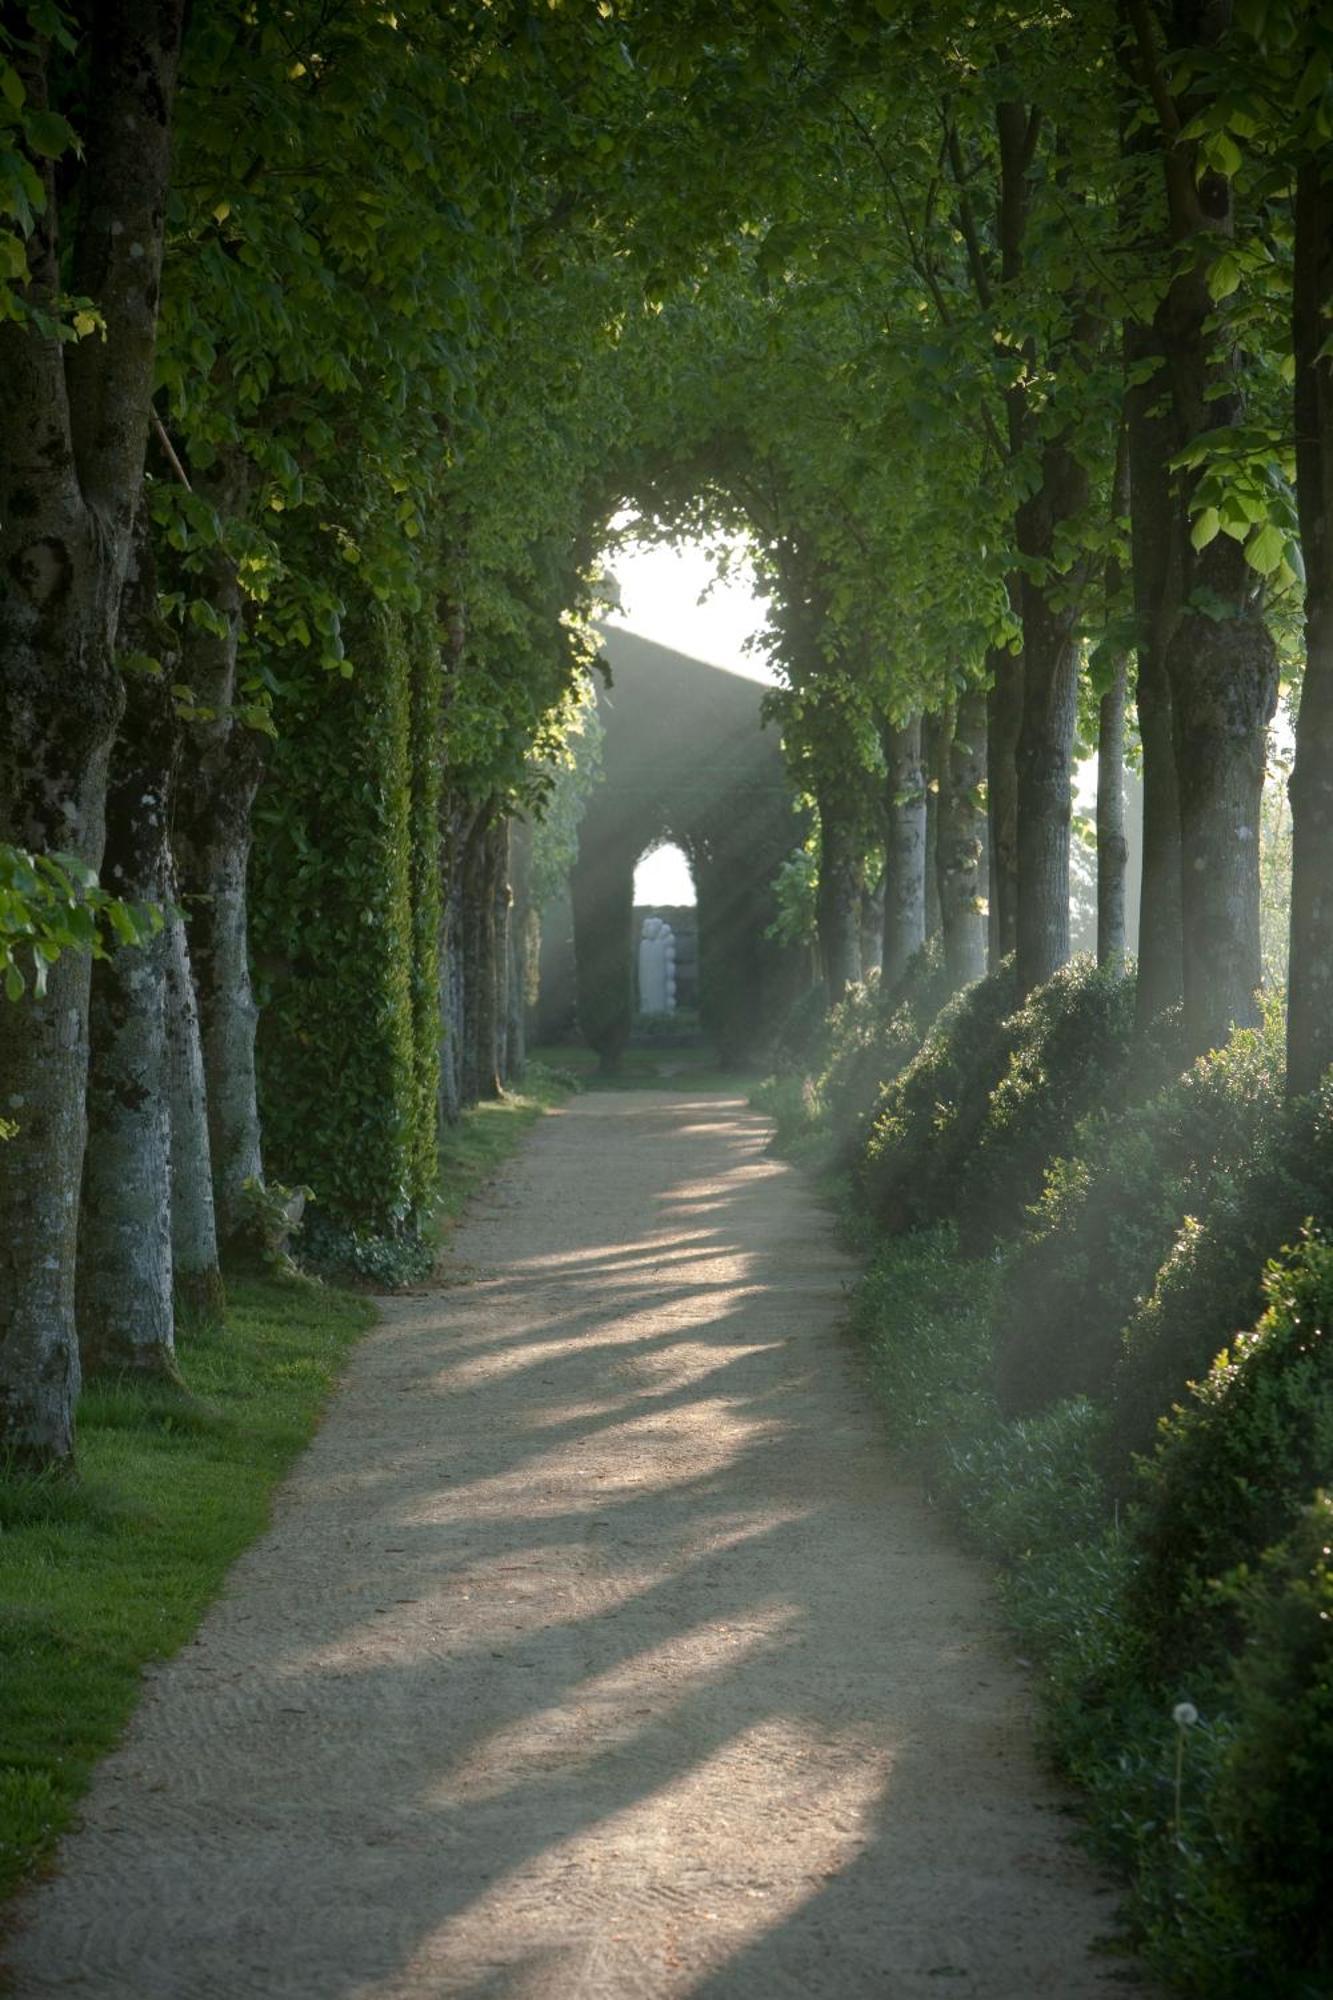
{"x":663,"y":879}
{"x":660,"y":588}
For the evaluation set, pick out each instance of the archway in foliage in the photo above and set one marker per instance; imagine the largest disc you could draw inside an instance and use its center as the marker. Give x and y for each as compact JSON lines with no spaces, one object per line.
{"x":685,"y":759}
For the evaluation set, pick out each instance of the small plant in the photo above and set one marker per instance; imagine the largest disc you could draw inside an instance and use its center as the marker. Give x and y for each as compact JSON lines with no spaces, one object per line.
{"x":271,"y":1216}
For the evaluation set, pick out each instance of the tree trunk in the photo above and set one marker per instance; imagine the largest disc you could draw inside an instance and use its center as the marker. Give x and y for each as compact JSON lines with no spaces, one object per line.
{"x":1219,"y":656}
{"x":520,"y":939}
{"x":194,"y":1243}
{"x":73,"y":427}
{"x":1156,"y":578}
{"x":935,"y":745}
{"x":1310,"y":1005}
{"x":1223,"y":692}
{"x":1045,"y":758}
{"x":219,"y":779}
{"x":498,"y":872}
{"x":1112,"y":849}
{"x":838,"y":904}
{"x":453,"y":859}
{"x":904,"y":851}
{"x":124,"y":1297}
{"x":1004,"y":717}
{"x":962,"y":825}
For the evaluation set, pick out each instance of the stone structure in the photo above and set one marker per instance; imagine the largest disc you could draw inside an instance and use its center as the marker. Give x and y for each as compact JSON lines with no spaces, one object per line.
{"x":685,"y":758}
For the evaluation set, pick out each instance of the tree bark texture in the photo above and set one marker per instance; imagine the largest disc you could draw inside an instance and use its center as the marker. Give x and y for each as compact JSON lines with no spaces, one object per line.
{"x":1219,"y":656}
{"x":1157,"y":584}
{"x":904,"y":851}
{"x":220,"y":776}
{"x":838,"y":903}
{"x":500,"y":904}
{"x":1045,"y":757}
{"x":962,"y":846}
{"x":73,"y":428}
{"x":935,"y":748}
{"x":124,"y":1293}
{"x":453,"y":859}
{"x":1112,"y":847}
{"x":1004,"y":717}
{"x":520,"y":943}
{"x":196,"y":1273}
{"x":1310,"y":991}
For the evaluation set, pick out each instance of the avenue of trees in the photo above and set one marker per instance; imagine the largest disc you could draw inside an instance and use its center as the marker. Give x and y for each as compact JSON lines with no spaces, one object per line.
{"x":332,"y":338}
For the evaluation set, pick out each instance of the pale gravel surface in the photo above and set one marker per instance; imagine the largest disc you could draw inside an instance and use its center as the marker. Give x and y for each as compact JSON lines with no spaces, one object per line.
{"x":596,"y":1652}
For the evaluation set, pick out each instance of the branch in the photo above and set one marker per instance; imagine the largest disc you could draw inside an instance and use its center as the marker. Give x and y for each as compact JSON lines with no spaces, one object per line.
{"x":170,"y":451}
{"x":1158,"y":88}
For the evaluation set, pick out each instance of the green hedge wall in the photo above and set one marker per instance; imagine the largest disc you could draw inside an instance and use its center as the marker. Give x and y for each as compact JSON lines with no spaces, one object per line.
{"x":345,"y":931}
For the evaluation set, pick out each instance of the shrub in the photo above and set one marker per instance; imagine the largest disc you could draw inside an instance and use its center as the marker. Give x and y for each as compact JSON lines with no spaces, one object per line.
{"x":928,"y":1118}
{"x":1237,"y":1462}
{"x":1273,"y":1791}
{"x":1071,"y":1043}
{"x":873,"y":1035}
{"x":1212,"y":1283}
{"x":1110,"y":1212}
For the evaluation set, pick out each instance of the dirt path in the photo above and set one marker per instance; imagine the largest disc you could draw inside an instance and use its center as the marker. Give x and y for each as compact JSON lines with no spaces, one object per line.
{"x":594,"y":1652}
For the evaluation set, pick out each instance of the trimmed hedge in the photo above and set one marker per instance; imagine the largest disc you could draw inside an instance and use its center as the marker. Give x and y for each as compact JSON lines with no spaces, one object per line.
{"x":873,"y":1036}
{"x":1237,"y":1462}
{"x":1213,"y":1281}
{"x":927,"y":1119}
{"x":345,"y":933}
{"x":1112,"y":1210}
{"x":1072,"y":1050}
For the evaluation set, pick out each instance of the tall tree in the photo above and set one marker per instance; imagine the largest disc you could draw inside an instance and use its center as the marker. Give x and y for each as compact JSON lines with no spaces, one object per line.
{"x":73,"y":431}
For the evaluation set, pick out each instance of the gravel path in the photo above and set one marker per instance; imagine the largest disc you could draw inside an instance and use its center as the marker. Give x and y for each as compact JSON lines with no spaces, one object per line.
{"x":595,"y":1651}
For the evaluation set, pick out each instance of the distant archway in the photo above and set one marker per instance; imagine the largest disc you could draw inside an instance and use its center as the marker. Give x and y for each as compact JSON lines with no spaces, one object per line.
{"x":686,"y":760}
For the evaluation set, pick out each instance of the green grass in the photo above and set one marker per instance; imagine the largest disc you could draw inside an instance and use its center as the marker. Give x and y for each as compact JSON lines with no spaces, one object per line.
{"x":693,"y":1067}
{"x":104,"y":1572}
{"x":472,"y":1150}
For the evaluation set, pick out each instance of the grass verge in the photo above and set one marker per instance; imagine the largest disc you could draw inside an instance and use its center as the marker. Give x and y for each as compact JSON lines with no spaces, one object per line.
{"x":107,"y":1572}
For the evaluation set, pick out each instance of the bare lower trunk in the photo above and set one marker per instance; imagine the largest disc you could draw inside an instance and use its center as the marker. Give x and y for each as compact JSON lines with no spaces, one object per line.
{"x":904,"y":851}
{"x":220,"y":775}
{"x":1112,"y":847}
{"x":73,"y":425}
{"x":126,"y":1315}
{"x":1050,"y":712}
{"x":962,"y":825}
{"x":219,"y":931}
{"x":1155,"y":565}
{"x":520,"y":938}
{"x":1004,"y":717}
{"x":1310,"y":1008}
{"x":194,"y":1243}
{"x":453,"y":853}
{"x":838,"y":909}
{"x":935,"y":747}
{"x":498,"y":872}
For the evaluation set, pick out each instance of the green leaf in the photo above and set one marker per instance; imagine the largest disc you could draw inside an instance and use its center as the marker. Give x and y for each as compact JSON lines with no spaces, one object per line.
{"x":49,"y":135}
{"x":1265,"y":549}
{"x":1205,"y":528}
